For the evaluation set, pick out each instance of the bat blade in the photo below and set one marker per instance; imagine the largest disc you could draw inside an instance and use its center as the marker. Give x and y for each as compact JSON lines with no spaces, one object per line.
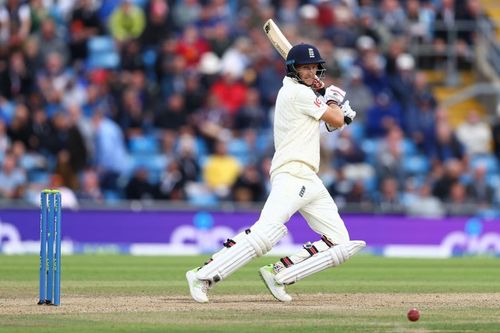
{"x":279,"y":41}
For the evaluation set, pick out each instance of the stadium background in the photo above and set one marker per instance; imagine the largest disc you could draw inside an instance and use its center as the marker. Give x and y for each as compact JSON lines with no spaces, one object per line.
{"x":165,"y":107}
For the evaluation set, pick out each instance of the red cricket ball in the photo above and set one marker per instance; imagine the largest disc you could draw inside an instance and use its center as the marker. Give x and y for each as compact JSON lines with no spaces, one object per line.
{"x":413,"y":314}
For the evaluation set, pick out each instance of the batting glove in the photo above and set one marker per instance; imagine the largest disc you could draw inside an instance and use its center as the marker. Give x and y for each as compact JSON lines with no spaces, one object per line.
{"x":334,"y":94}
{"x":349,"y":113}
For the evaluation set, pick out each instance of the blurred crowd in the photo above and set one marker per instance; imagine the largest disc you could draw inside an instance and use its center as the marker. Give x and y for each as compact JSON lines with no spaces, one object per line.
{"x":173,"y":100}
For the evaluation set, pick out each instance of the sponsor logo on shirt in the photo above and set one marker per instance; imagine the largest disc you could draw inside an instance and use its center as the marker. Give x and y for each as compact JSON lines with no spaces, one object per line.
{"x":317,"y":102}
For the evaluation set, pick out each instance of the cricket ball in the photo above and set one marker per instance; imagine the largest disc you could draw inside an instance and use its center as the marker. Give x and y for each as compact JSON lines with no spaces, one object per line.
{"x":413,"y":314}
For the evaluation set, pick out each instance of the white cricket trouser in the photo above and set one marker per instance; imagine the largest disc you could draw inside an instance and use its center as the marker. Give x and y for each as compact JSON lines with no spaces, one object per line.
{"x":296,"y":187}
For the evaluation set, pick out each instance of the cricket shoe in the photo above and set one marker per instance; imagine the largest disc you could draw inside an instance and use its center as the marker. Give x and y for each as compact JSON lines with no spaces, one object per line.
{"x":267,"y":274}
{"x":198,"y":288}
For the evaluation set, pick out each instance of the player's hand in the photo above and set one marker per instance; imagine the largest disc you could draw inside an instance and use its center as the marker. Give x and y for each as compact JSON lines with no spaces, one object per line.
{"x":334,"y":94}
{"x":349,"y":113}
{"x":318,"y":85}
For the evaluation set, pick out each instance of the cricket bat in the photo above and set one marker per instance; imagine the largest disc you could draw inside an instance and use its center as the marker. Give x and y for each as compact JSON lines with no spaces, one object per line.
{"x":279,"y":41}
{"x":281,"y":44}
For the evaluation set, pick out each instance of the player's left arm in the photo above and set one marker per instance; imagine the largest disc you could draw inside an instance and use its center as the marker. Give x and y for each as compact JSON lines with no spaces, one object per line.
{"x":335,"y":97}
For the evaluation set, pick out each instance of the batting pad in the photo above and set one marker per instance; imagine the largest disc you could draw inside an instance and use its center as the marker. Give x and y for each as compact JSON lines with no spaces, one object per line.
{"x":255,"y":243}
{"x":332,"y":257}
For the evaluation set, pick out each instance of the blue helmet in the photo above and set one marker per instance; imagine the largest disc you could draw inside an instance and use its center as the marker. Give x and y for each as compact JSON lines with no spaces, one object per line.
{"x":303,"y":54}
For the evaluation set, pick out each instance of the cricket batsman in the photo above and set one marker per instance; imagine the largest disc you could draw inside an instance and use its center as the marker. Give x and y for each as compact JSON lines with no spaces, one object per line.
{"x":303,"y":102}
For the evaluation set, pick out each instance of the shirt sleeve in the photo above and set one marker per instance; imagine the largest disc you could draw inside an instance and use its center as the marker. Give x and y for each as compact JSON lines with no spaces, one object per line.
{"x":309,"y":104}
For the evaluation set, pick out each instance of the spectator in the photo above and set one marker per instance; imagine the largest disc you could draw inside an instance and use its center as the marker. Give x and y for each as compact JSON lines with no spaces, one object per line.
{"x":479,"y":190}
{"x":173,"y":75}
{"x":453,"y":170}
{"x":188,"y":163}
{"x":369,"y":26}
{"x":230,"y":91}
{"x":139,"y":187}
{"x":418,"y":26}
{"x":221,"y":39}
{"x":131,"y":56}
{"x":390,"y":198}
{"x":248,"y":187}
{"x":496,"y":134}
{"x":191,"y":46}
{"x":172,"y":115}
{"x":251,"y":114}
{"x":172,"y":183}
{"x":425,"y":204}
{"x":213,"y":121}
{"x":393,"y":16}
{"x":422,"y":122}
{"x":195,"y":94}
{"x":15,"y":23}
{"x":385,"y":114}
{"x":358,"y":195}
{"x":132,"y":116}
{"x":12,"y":178}
{"x":20,"y":126}
{"x":359,"y":95}
{"x":347,"y":152}
{"x":307,"y":23}
{"x":51,"y":41}
{"x":447,"y":146}
{"x":389,"y":157}
{"x":269,"y":80}
{"x":403,"y":88}
{"x":221,"y":171}
{"x":53,"y":80}
{"x":42,"y":133}
{"x":127,"y":21}
{"x":4,"y":139}
{"x":16,"y":79}
{"x":448,"y":32}
{"x":83,"y":25}
{"x":111,"y":158}
{"x":458,"y":202}
{"x":68,"y":196}
{"x":237,"y":58}
{"x":159,"y":23}
{"x":186,"y":13}
{"x":90,"y":190}
{"x":474,"y":134}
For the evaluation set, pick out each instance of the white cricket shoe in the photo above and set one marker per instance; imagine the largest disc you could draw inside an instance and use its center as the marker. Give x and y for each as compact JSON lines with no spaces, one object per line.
{"x":198,"y":288}
{"x":267,"y":274}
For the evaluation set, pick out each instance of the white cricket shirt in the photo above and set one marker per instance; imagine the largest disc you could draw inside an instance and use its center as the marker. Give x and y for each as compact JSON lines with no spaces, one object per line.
{"x":296,"y":125}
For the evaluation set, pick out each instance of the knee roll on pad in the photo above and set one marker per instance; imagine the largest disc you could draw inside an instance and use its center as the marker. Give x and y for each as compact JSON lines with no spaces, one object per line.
{"x":332,"y":257}
{"x":256,"y":243}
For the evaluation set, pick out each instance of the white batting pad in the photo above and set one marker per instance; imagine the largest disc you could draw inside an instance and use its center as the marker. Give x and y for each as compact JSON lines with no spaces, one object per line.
{"x":332,"y":257}
{"x":256,"y":243}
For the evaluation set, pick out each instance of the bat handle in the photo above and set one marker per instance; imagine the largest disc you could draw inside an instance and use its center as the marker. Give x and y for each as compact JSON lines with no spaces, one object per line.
{"x":347,"y":120}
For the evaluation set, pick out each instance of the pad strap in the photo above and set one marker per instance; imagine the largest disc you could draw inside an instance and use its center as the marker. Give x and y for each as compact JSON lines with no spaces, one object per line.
{"x":256,"y":242}
{"x":332,"y":257}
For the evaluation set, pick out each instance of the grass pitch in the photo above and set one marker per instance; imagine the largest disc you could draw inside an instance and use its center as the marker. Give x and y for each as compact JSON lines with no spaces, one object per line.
{"x":150,"y":294}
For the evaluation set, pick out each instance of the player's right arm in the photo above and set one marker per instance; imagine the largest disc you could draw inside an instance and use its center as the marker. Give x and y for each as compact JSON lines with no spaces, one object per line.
{"x":333,"y":116}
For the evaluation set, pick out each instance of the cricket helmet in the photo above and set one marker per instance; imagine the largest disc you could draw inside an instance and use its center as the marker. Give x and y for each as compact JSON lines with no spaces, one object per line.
{"x":303,"y":54}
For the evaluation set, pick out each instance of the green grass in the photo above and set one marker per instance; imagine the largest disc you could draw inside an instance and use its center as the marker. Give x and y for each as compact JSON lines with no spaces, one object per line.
{"x":149,"y":294}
